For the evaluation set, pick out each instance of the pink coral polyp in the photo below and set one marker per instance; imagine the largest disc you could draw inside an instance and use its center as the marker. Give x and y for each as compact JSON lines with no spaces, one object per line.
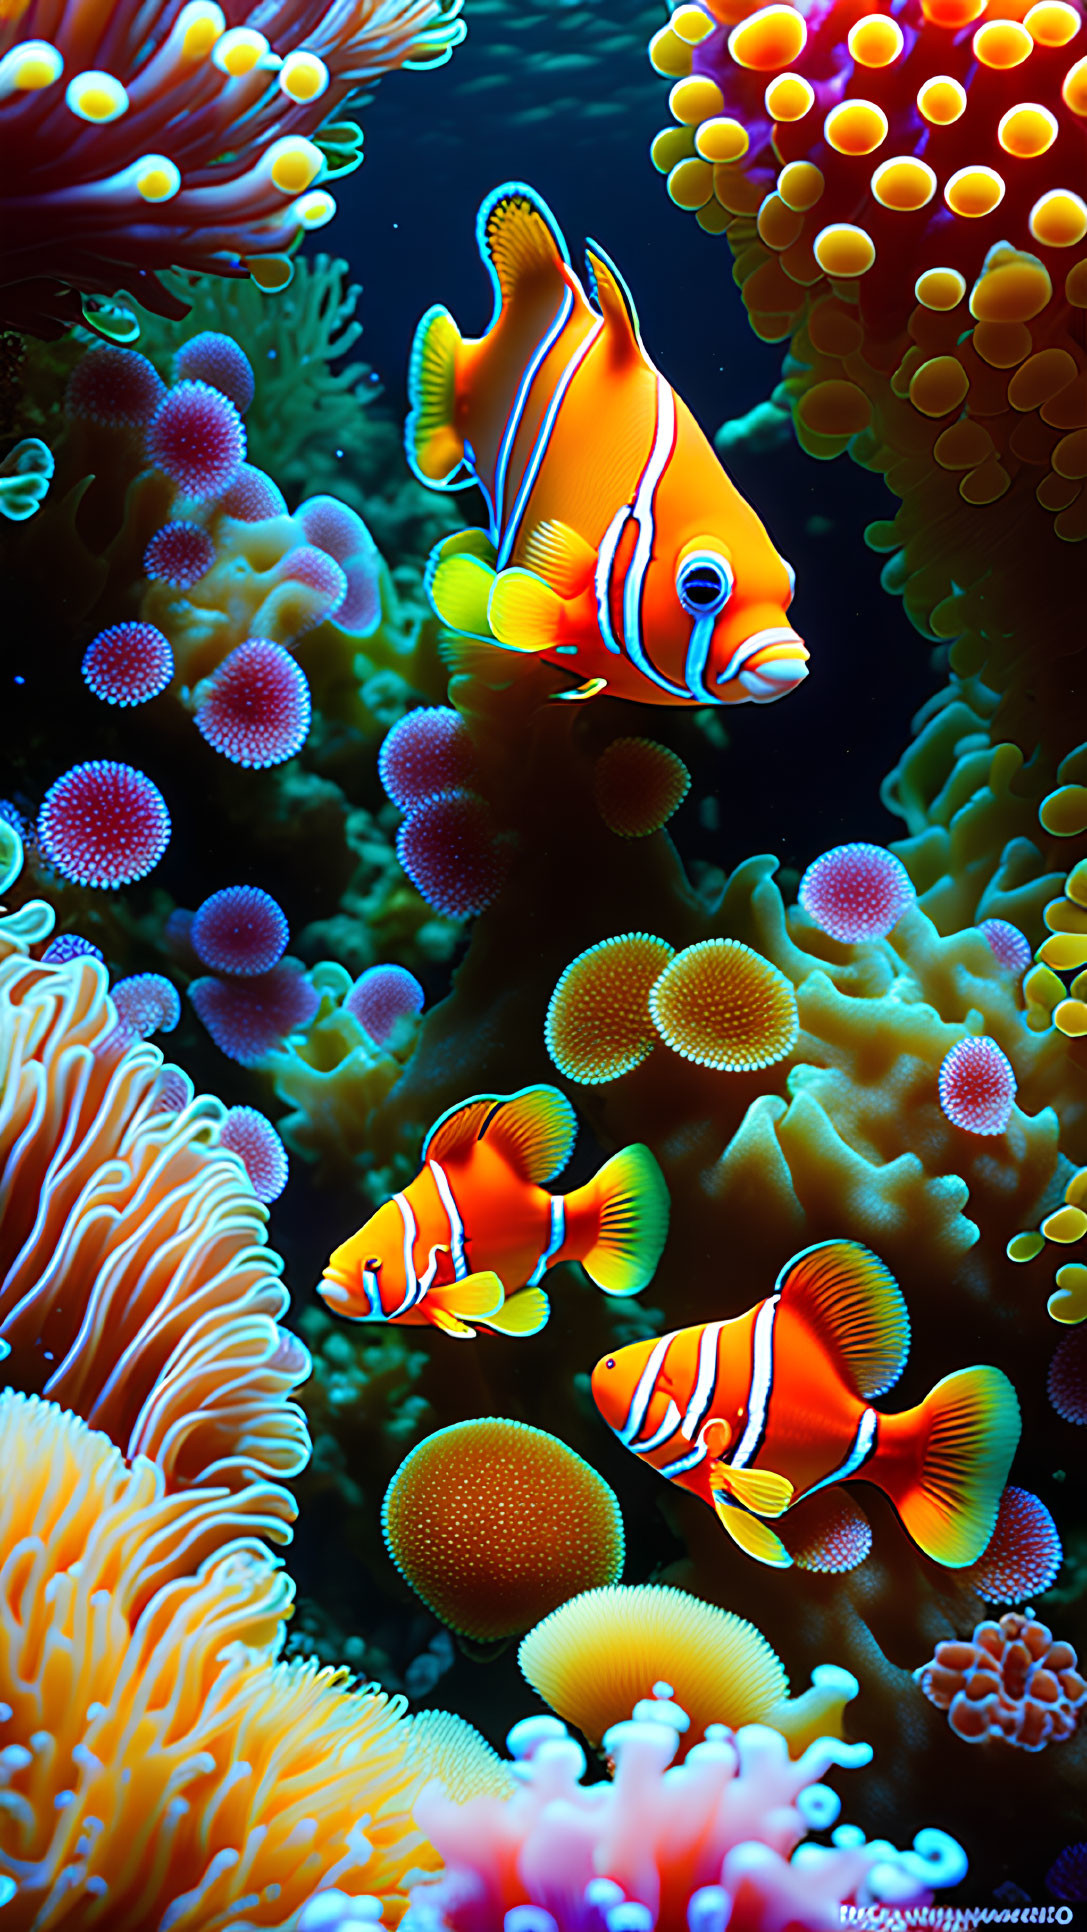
{"x":1012,"y":1681}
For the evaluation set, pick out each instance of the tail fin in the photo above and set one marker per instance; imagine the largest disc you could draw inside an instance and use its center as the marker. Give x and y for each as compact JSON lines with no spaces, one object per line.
{"x":632,"y":1205}
{"x":434,"y":445}
{"x":964,"y":1436}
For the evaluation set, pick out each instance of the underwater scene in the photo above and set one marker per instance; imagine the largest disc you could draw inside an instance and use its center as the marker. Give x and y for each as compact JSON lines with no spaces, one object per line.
{"x":543,"y":965}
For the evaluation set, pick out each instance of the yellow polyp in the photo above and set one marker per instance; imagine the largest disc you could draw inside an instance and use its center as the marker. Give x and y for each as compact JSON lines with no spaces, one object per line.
{"x":1002,"y":43}
{"x":734,"y":191}
{"x":1075,"y":285}
{"x":939,"y":386}
{"x":694,"y":99}
{"x":1059,"y":218}
{"x":844,"y":251}
{"x":271,"y":273}
{"x":1063,"y":915}
{"x":722,"y":139}
{"x":855,"y":127}
{"x":1069,"y":1304}
{"x":303,"y":76}
{"x":940,"y":288}
{"x":903,"y":183}
{"x":1042,"y":377}
{"x":669,"y":55}
{"x":1041,"y":987}
{"x":789,"y":97}
{"x":157,"y":178}
{"x":1064,"y":951}
{"x":690,"y":185}
{"x":670,"y":146}
{"x":1013,"y":291}
{"x":1070,"y":456}
{"x":199,"y":26}
{"x":963,"y":446}
{"x":96,"y":97}
{"x":941,"y":100}
{"x":1076,"y":888}
{"x":986,"y":484}
{"x":1075,"y":1194}
{"x":1024,"y":1247}
{"x":30,"y":66}
{"x":238,"y":51}
{"x":800,"y":185}
{"x":691,"y":24}
{"x":800,"y":264}
{"x":1052,"y":23}
{"x":834,"y":330}
{"x":973,"y":192}
{"x":1068,"y":1224}
{"x":876,"y":40}
{"x":952,"y":13}
{"x":1003,"y":345}
{"x":835,"y":409}
{"x":713,"y":219}
{"x":1027,"y":130}
{"x":1074,"y":90}
{"x":315,"y":210}
{"x":294,"y":163}
{"x":771,"y":38}
{"x":778,"y":225}
{"x":1070,"y":1018}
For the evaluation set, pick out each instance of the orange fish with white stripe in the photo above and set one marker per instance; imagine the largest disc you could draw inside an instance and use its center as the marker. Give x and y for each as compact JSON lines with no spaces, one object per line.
{"x":617,"y":548}
{"x":472,"y":1237}
{"x":754,"y":1414}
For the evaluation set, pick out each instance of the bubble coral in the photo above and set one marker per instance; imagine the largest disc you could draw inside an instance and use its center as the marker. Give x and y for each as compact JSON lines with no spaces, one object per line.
{"x":494,"y":1523}
{"x":248,"y":1134}
{"x":428,"y":751}
{"x":856,"y":892}
{"x":1023,"y":1554}
{"x":723,"y":1005}
{"x":103,"y":824}
{"x":977,"y":1086}
{"x":248,"y":1017}
{"x":598,"y":1025}
{"x":637,"y":785}
{"x":197,"y":438}
{"x":136,"y":1286}
{"x":255,"y":709}
{"x":241,"y":929}
{"x":1010,"y":946}
{"x":216,"y":359}
{"x":179,"y":555}
{"x":1012,"y":1681}
{"x":449,"y":847}
{"x":382,"y":998}
{"x":118,"y":388}
{"x":129,"y":663}
{"x":1066,"y":1383}
{"x":147,"y":1003}
{"x":185,"y":141}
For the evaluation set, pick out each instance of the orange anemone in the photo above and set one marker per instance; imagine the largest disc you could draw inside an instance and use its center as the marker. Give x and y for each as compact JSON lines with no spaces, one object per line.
{"x":598,"y":1023}
{"x":723,"y":1005}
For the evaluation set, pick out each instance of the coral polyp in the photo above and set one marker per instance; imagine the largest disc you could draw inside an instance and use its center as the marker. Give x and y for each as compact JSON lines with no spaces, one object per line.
{"x":104,"y":824}
{"x":255,"y":709}
{"x":128,"y":663}
{"x":241,"y":929}
{"x":722,"y":1005}
{"x":197,"y":438}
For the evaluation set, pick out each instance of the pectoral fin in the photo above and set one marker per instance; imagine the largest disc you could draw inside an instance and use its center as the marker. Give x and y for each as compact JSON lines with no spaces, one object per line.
{"x":524,"y":1314}
{"x":758,"y":1489}
{"x":449,"y":1324}
{"x":591,"y":688}
{"x":752,"y":1536}
{"x":524,"y":613}
{"x":477,"y":1296}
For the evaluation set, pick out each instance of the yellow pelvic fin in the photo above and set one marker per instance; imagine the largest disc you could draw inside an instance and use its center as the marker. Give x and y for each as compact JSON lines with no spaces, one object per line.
{"x":752,"y":1536}
{"x":591,"y":688}
{"x":524,"y":1314}
{"x":434,"y":445}
{"x":561,"y":556}
{"x":477,"y":1296}
{"x":524,"y":613}
{"x":758,"y":1489}
{"x":449,"y":1324}
{"x":459,"y":591}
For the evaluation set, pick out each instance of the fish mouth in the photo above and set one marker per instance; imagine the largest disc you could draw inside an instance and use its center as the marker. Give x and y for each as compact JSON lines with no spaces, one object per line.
{"x":341,"y":1294}
{"x":767,"y":665}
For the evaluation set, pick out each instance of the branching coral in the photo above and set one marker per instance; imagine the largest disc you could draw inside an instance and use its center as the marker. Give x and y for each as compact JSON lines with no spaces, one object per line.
{"x":91,"y":101}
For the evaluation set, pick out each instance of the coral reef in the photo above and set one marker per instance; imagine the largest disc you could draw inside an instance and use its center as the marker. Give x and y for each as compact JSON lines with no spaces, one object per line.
{"x":1011,"y":1681}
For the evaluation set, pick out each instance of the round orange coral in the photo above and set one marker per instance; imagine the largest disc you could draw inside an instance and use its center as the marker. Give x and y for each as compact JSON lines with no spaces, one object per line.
{"x":723,"y":1005}
{"x":598,"y":1023}
{"x":494,"y":1523}
{"x":638,"y":784}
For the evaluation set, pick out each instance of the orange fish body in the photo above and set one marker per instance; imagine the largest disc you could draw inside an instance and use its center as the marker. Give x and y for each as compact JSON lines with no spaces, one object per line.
{"x":472,"y":1236}
{"x":754,"y":1414}
{"x":618,"y":549}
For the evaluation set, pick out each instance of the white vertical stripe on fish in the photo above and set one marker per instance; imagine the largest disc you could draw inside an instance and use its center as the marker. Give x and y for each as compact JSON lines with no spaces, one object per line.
{"x":705,"y":1380}
{"x":452,"y":1215}
{"x":639,"y":1401}
{"x":660,"y":1436}
{"x":762,"y":1381}
{"x":517,"y":411}
{"x":863,"y":1444}
{"x":413,"y":1291}
{"x":539,"y":447}
{"x":555,"y":1240}
{"x":643,"y":514}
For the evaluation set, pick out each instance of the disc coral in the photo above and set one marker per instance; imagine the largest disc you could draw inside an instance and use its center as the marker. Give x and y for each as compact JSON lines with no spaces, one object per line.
{"x":723,"y":1005}
{"x":598,"y":1025}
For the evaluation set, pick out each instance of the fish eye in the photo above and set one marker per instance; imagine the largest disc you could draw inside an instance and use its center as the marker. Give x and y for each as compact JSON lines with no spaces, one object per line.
{"x":610,"y":1363}
{"x":704,"y":583}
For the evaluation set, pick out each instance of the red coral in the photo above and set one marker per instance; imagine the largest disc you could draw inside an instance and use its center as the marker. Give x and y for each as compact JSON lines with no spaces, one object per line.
{"x":1011,"y":1680}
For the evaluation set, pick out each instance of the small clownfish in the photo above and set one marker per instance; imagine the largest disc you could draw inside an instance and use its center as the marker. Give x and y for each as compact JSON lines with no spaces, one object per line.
{"x":618,"y":548}
{"x":473,"y":1235}
{"x":754,"y":1414}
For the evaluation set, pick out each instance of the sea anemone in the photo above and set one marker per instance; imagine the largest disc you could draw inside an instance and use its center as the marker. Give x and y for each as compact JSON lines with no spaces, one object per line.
{"x":450,"y":849}
{"x":977,"y":1086}
{"x":179,"y":555}
{"x":429,"y":751}
{"x":382,"y":999}
{"x":248,"y":1134}
{"x":598,"y":1025}
{"x":1023,"y":1555}
{"x":255,"y":709}
{"x":1012,"y":1681}
{"x":197,"y":438}
{"x":723,"y":1005}
{"x":117,"y":388}
{"x":146,"y":1003}
{"x":494,"y":1523}
{"x":240,"y":930}
{"x":103,"y":824}
{"x":637,"y":785}
{"x":128,"y":664}
{"x":856,"y":892}
{"x":248,"y":1017}
{"x":217,"y":359}
{"x":1009,"y":945}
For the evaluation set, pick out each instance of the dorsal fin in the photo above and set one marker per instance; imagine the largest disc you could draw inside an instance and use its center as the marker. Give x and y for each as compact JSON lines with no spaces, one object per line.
{"x":458,"y":1125}
{"x":518,"y":237}
{"x":535,"y":1130}
{"x":615,"y":302}
{"x":851,"y":1300}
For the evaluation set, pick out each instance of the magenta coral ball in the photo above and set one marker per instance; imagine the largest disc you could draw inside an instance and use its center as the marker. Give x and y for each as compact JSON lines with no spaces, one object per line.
{"x":69,"y":945}
{"x":856,"y":892}
{"x":116,"y":387}
{"x":450,"y":850}
{"x":255,"y":709}
{"x":252,"y":497}
{"x":198,"y":438}
{"x":977,"y":1086}
{"x":429,"y":751}
{"x":240,"y":930}
{"x":318,"y":572}
{"x":179,"y":555}
{"x":148,"y":1003}
{"x":332,"y":526}
{"x":104,"y":824}
{"x":1009,"y":945}
{"x":248,"y":1017}
{"x":218,"y":360}
{"x":255,"y":1141}
{"x":128,"y":663}
{"x":383,"y":996}
{"x":1023,"y":1554}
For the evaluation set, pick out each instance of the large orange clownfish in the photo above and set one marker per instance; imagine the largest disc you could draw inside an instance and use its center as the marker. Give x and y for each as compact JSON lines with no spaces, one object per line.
{"x":754,"y":1414}
{"x":472,"y":1237}
{"x":618,"y":549}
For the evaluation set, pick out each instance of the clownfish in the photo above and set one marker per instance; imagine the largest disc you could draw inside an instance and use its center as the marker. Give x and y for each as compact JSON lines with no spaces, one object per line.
{"x":474,"y":1234}
{"x":755,"y":1414}
{"x":617,"y":548}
